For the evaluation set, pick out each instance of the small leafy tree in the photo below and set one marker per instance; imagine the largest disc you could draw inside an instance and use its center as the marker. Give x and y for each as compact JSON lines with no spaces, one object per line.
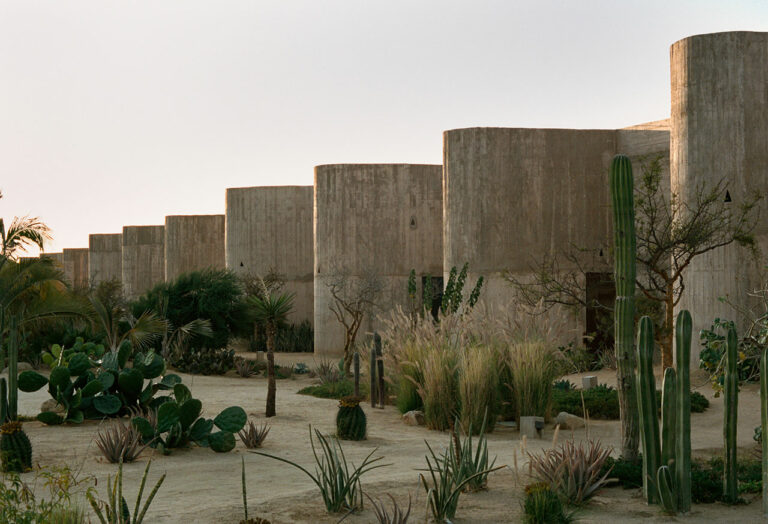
{"x":272,"y":311}
{"x":353,"y":298}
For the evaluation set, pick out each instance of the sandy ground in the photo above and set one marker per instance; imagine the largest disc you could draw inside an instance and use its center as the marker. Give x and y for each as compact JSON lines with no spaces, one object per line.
{"x":203,"y":486}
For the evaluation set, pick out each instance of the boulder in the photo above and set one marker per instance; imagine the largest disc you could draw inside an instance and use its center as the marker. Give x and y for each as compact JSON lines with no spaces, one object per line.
{"x":414,"y":418}
{"x":568,"y":421}
{"x":52,"y":405}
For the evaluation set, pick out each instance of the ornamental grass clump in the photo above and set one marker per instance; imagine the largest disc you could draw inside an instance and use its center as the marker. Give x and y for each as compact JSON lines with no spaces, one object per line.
{"x":574,"y":472}
{"x":478,"y":389}
{"x":438,"y":390}
{"x":532,"y":367}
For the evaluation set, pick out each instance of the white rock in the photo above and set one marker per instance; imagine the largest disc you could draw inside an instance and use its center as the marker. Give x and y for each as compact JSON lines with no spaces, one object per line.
{"x":52,"y":405}
{"x":414,"y":418}
{"x":568,"y":421}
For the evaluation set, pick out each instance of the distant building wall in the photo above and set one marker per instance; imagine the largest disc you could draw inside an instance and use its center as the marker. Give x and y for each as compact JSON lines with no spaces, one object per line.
{"x":105,"y":257}
{"x":720,"y":131}
{"x":58,"y":258}
{"x":193,"y":242}
{"x":384,"y":218}
{"x":75,"y":266}
{"x":143,"y":259}
{"x":270,"y":228}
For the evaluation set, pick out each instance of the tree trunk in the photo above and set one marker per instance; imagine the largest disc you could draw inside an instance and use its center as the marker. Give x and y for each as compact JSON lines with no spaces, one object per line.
{"x":271,"y":386}
{"x":666,"y":339}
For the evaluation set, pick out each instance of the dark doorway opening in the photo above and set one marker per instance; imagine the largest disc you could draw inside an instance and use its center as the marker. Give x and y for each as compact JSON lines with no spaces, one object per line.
{"x":600,"y":294}
{"x":437,"y":294}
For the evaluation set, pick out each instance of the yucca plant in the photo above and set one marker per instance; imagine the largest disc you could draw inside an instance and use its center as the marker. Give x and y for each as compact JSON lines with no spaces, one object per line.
{"x":119,"y":442}
{"x":245,"y":368}
{"x":398,"y":516}
{"x":116,"y":508}
{"x":252,"y":435}
{"x":573,"y":471}
{"x":467,"y":460}
{"x":338,"y":481}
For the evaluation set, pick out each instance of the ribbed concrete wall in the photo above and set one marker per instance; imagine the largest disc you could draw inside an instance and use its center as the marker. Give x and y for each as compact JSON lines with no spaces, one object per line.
{"x":193,"y":242}
{"x":513,"y":197}
{"x":56,"y":257}
{"x":385,"y":218}
{"x":720,"y":129}
{"x":143,"y":258}
{"x":105,"y":257}
{"x":75,"y":266}
{"x":271,"y":228}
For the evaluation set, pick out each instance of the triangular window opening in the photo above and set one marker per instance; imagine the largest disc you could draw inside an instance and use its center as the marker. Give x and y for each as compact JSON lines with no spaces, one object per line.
{"x":727,"y":196}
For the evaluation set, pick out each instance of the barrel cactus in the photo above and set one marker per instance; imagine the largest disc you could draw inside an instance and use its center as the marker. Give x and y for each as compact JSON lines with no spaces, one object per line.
{"x":350,"y":420}
{"x":15,"y":448}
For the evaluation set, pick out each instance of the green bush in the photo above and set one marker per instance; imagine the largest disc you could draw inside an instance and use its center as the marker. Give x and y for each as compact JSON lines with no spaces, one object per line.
{"x":602,"y":401}
{"x":542,"y":506}
{"x":216,"y":295}
{"x":629,"y":473}
{"x":337,"y":390}
{"x":205,"y":361}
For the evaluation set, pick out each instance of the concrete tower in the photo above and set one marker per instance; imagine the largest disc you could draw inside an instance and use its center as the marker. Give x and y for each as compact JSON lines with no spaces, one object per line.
{"x":193,"y":242}
{"x":380,"y":218}
{"x":105,"y":257}
{"x":270,"y":228}
{"x":143,"y":258}
{"x":720,"y":131}
{"x":75,"y":266}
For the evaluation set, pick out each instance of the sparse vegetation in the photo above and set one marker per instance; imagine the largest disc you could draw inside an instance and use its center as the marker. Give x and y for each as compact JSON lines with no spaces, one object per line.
{"x":253,"y":436}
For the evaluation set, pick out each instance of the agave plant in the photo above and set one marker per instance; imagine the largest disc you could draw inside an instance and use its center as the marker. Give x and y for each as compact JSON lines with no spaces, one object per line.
{"x":116,"y":508}
{"x":252,"y":435}
{"x":119,"y":442}
{"x":398,"y":516}
{"x":573,"y":471}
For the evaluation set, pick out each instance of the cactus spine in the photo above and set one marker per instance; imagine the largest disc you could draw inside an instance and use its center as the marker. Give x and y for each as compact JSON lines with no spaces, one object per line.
{"x":731,"y":388}
{"x":625,"y":247}
{"x":646,"y":401}
{"x":764,"y":425}
{"x":15,"y":448}
{"x":683,"y":329}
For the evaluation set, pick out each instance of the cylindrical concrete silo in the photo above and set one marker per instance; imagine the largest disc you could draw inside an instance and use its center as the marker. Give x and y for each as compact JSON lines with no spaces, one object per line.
{"x":143,"y":259}
{"x":75,"y":266}
{"x":192,"y":243}
{"x":720,"y":132}
{"x":514,"y":197}
{"x":384,"y":219}
{"x":105,"y":257}
{"x":270,"y":228}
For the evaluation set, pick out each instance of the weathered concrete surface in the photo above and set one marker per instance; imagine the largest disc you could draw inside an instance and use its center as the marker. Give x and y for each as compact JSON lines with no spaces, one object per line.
{"x":385,"y":218}
{"x":270,"y":228}
{"x":193,"y":242}
{"x":105,"y":257}
{"x":58,"y":258}
{"x":513,"y":197}
{"x":75,"y":266}
{"x":719,"y":130}
{"x":143,"y":258}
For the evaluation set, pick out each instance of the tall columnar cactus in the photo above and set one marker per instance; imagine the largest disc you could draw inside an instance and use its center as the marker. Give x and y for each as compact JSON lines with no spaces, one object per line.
{"x":372,"y":373}
{"x":15,"y":448}
{"x":764,"y":425}
{"x":625,"y":247}
{"x":668,"y":418}
{"x":683,"y":329}
{"x":356,"y":368}
{"x":648,"y":407}
{"x":731,"y":389}
{"x":3,"y":401}
{"x":13,"y":371}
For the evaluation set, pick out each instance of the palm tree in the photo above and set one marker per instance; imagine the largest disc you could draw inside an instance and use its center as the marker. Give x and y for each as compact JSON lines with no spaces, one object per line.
{"x":22,"y":232}
{"x":141,"y":332}
{"x":272,"y":310}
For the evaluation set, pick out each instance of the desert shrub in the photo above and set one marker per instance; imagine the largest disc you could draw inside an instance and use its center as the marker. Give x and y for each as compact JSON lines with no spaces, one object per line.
{"x":337,"y":390}
{"x":532,"y":366}
{"x":119,"y":442}
{"x":478,"y":388}
{"x":712,"y":356}
{"x":245,"y":368}
{"x":628,"y":472}
{"x":574,"y":472}
{"x":563,"y":385}
{"x":213,"y":294}
{"x":205,"y":361}
{"x":542,"y":506}
{"x":291,"y":338}
{"x":578,"y":359}
{"x":339,"y":485}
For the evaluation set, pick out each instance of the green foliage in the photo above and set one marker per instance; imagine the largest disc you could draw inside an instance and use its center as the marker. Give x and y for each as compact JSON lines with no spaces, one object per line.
{"x":178,"y":423}
{"x":119,"y":442}
{"x":205,"y":361}
{"x":15,"y":448}
{"x":115,"y":507}
{"x":351,"y":422}
{"x":213,"y":294}
{"x":453,"y":295}
{"x":339,"y":484}
{"x":542,"y":506}
{"x":338,"y":389}
{"x":628,"y":472}
{"x":59,"y":355}
{"x":290,"y":338}
{"x":712,"y":356}
{"x":468,"y":461}
{"x":408,"y":398}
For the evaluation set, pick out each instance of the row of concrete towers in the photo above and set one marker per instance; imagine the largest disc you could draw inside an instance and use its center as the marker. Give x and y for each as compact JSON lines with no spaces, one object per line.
{"x":502,"y":199}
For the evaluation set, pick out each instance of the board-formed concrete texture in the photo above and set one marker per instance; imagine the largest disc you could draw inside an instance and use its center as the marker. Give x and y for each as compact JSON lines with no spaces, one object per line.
{"x":192,"y":243}
{"x":380,"y":218}
{"x":105,"y":257}
{"x":720,"y":131}
{"x":513,"y":197}
{"x":143,"y":259}
{"x":58,"y":258}
{"x":75,"y":265}
{"x":270,"y":228}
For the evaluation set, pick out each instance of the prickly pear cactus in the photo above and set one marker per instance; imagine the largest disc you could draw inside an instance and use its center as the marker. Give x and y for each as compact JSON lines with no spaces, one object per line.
{"x":15,"y":448}
{"x":351,"y":423}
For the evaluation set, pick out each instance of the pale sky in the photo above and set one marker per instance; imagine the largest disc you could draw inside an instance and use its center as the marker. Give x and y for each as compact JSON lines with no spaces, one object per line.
{"x":119,"y":113}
